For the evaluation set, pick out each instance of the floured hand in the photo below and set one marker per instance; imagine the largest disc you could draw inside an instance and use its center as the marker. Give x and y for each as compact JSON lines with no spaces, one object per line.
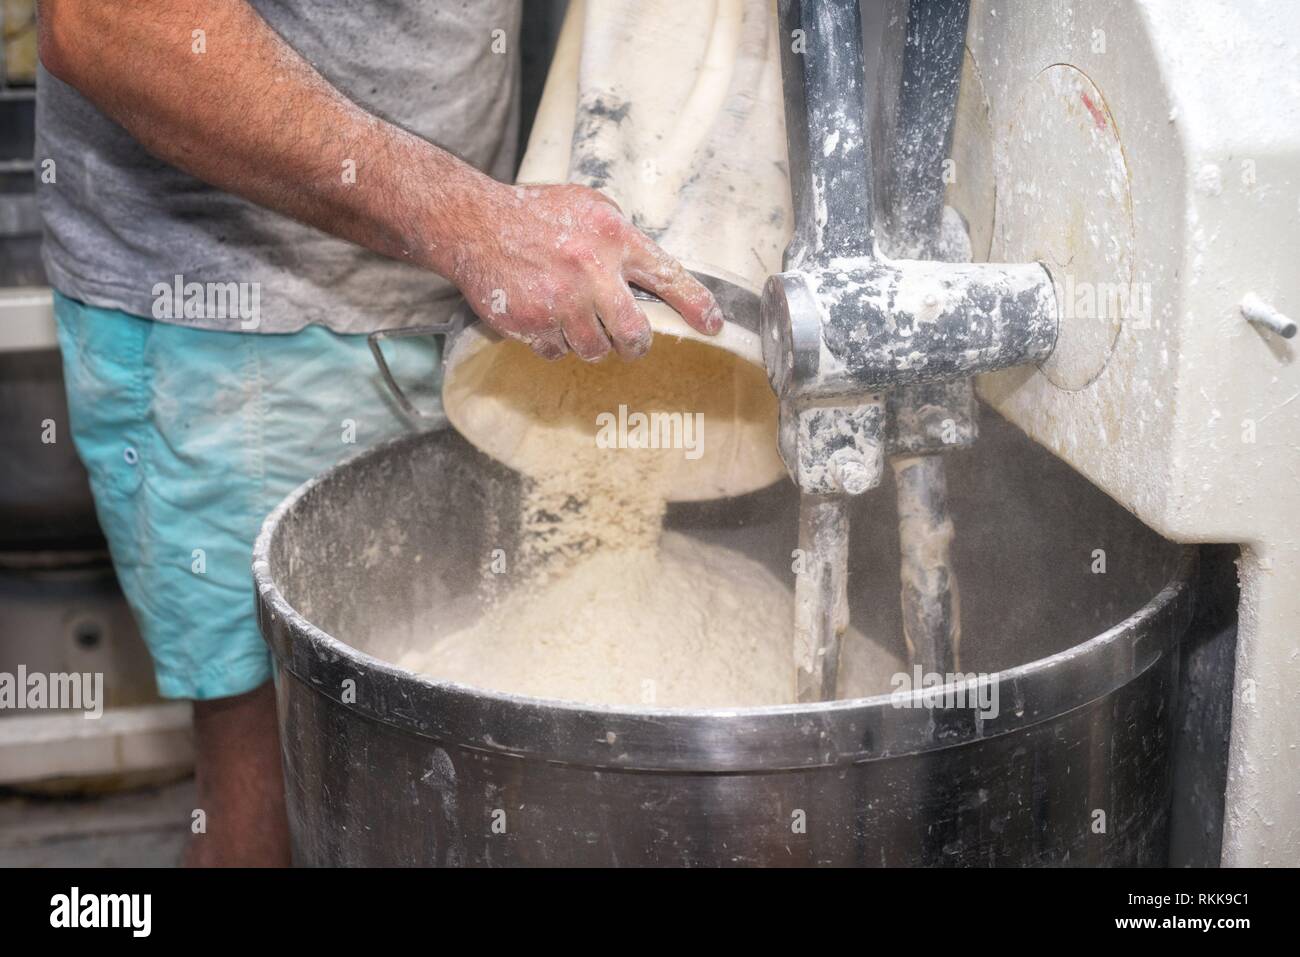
{"x":550,"y":266}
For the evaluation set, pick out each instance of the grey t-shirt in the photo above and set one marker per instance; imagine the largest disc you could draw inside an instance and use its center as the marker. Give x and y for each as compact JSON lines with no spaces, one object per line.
{"x":121,"y":225}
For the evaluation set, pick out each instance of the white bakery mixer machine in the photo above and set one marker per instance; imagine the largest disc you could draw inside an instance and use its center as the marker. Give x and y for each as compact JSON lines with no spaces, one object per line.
{"x":1141,"y":161}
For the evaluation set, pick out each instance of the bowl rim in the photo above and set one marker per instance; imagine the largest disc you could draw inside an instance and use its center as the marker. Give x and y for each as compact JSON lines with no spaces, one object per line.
{"x":716,"y":740}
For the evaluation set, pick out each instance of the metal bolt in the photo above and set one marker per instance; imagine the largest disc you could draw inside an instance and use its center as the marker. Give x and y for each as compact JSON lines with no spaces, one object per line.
{"x":849,"y":468}
{"x":1260,"y":313}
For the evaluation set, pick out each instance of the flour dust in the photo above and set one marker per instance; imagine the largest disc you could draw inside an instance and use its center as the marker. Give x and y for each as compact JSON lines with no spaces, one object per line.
{"x":609,"y":608}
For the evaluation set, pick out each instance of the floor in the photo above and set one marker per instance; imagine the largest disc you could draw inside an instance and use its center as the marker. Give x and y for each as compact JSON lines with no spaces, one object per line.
{"x":141,"y":828}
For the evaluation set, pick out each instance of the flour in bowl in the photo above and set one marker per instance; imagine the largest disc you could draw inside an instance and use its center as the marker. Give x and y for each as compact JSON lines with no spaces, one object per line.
{"x":608,"y":607}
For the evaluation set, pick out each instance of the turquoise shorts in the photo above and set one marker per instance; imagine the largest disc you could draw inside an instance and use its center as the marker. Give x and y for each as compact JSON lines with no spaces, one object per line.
{"x":191,"y":437}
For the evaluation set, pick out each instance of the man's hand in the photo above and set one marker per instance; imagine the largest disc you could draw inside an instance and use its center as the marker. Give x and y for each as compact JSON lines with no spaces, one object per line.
{"x":553,"y":271}
{"x":545,"y":264}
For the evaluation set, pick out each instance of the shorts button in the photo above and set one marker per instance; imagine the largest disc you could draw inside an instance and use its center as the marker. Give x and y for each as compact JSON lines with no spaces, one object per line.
{"x":130,"y":456}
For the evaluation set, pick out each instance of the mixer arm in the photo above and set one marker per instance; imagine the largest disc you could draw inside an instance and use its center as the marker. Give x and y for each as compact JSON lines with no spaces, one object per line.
{"x":832,"y":449}
{"x":926,"y":419}
{"x":823,"y":75}
{"x":841,"y":326}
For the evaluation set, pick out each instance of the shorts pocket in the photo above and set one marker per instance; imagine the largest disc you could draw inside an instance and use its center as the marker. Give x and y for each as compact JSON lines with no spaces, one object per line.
{"x":107,"y":391}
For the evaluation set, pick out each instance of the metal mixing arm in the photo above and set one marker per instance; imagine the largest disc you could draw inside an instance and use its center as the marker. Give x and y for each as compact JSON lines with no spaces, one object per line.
{"x":929,"y":419}
{"x":841,"y":326}
{"x":832,"y":449}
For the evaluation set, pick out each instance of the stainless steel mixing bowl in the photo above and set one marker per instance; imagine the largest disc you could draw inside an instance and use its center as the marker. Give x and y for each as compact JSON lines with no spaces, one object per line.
{"x":385,"y":767}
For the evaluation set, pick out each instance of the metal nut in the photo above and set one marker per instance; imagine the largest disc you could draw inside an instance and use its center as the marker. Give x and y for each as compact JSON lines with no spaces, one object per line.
{"x":849,"y":467}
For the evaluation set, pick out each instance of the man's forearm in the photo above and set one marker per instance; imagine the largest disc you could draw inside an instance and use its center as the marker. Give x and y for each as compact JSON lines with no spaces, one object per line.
{"x":241,"y":110}
{"x":251,"y":116}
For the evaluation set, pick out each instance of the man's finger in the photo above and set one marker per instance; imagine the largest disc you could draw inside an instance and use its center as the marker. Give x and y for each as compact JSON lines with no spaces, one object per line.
{"x":655,"y":271}
{"x":624,"y":322}
{"x":586,"y":337}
